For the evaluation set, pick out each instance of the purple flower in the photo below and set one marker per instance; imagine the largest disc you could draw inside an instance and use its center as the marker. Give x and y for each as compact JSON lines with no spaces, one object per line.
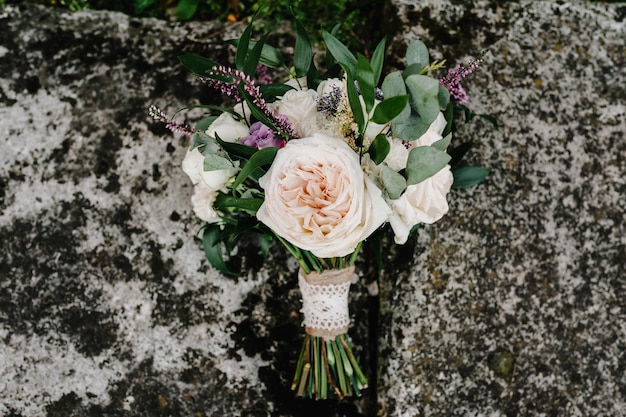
{"x":452,"y":80}
{"x":261,"y":137}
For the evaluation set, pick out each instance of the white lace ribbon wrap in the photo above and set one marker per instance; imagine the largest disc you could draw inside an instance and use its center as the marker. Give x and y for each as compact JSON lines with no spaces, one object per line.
{"x":325,"y":301}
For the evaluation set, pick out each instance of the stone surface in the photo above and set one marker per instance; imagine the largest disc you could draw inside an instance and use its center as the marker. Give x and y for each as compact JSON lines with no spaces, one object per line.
{"x":514,"y":306}
{"x":509,"y":306}
{"x":107,"y":306}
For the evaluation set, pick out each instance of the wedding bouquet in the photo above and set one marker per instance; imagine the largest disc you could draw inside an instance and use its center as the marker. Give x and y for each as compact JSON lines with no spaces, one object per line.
{"x":320,"y":162}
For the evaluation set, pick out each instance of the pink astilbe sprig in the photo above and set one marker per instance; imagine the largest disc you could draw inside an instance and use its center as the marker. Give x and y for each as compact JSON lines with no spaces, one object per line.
{"x":262,"y":74}
{"x":172,"y":124}
{"x":452,"y":80}
{"x":228,"y":81}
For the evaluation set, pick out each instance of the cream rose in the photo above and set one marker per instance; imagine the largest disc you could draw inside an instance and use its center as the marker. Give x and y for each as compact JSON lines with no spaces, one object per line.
{"x":424,"y":202}
{"x":202,"y":202}
{"x":399,"y":149}
{"x":300,"y":107}
{"x":227,"y":128}
{"x":398,"y":154}
{"x":318,"y":198}
{"x":193,"y":166}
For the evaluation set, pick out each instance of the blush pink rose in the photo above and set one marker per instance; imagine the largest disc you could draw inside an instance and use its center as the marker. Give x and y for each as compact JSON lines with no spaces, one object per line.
{"x":318,"y":198}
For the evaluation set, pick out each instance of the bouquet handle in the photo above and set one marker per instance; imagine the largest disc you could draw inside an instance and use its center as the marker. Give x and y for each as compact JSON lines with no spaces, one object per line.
{"x":326,"y":365}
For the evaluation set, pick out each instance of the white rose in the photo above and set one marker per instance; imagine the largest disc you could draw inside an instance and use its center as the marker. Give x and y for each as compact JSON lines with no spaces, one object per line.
{"x":398,"y":154}
{"x":193,"y":166}
{"x":373,"y":171}
{"x":318,"y":198}
{"x":300,"y":107}
{"x":202,"y":202}
{"x":424,"y":202}
{"x":243,"y":110}
{"x":227,"y":128}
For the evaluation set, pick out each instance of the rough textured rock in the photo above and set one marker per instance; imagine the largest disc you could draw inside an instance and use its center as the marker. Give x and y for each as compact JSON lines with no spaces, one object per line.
{"x":107,"y":304}
{"x":509,"y":306}
{"x":515,"y":302}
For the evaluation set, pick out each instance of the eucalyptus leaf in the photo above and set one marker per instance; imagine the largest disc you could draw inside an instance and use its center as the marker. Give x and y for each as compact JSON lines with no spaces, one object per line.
{"x":468,"y":176}
{"x":213,"y":162}
{"x":203,"y":124}
{"x":208,"y":143}
{"x":379,"y":149}
{"x":413,"y":69}
{"x":200,"y":142}
{"x":389,"y":108}
{"x":444,"y":97}
{"x":393,"y":85}
{"x":394,"y":183}
{"x":417,"y":54}
{"x":424,"y":162}
{"x":443,"y":143}
{"x":341,"y":53}
{"x":424,"y":93}
{"x":409,"y":128}
{"x":424,"y":103}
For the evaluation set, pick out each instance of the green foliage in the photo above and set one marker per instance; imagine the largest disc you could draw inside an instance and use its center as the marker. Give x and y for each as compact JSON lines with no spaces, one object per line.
{"x":424,"y":162}
{"x":379,"y":149}
{"x":468,"y":176}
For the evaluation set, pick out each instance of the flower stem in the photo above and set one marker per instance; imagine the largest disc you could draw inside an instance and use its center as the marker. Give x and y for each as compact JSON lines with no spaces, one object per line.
{"x":327,"y":368}
{"x":357,"y":369}
{"x":329,"y":365}
{"x":299,"y":366}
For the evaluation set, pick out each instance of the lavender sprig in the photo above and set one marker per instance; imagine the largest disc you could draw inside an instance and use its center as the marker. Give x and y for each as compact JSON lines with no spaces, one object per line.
{"x":171,"y":124}
{"x":328,"y":104}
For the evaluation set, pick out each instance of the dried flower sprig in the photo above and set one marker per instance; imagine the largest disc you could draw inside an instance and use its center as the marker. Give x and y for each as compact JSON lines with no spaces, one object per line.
{"x":452,"y":80}
{"x":232,"y":83}
{"x":171,"y":124}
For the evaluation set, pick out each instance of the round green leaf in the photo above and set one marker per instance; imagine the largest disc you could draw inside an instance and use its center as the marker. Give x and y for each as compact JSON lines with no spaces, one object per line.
{"x":424,"y":162}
